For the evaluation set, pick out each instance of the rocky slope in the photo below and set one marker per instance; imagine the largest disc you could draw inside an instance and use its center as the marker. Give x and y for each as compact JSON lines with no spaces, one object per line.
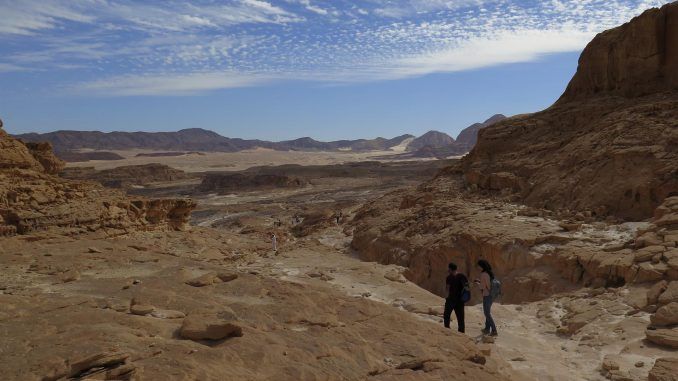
{"x":433,"y":139}
{"x":34,"y":200}
{"x":610,"y":144}
{"x":469,"y":136}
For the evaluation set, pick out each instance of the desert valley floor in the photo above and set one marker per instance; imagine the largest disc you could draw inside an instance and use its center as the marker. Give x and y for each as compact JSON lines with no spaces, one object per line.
{"x":306,"y":311}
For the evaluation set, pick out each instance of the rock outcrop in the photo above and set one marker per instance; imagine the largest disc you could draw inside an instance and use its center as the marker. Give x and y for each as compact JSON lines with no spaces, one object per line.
{"x":635,"y":59}
{"x":125,"y":176}
{"x":433,"y":139}
{"x":535,"y":254}
{"x":608,"y":146}
{"x":229,"y":182}
{"x":33,"y":200}
{"x":42,"y":152}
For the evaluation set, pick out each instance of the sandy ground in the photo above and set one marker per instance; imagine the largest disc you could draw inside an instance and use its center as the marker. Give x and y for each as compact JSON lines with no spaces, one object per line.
{"x":236,"y":161}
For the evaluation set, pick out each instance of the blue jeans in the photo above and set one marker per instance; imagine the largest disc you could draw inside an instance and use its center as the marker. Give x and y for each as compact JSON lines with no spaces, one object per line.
{"x":489,"y":322}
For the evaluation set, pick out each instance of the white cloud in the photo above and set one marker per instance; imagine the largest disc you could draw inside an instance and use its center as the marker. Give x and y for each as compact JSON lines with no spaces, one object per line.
{"x":171,"y":84}
{"x":189,"y":47}
{"x":503,"y":47}
{"x":27,"y":17}
{"x":5,"y":68}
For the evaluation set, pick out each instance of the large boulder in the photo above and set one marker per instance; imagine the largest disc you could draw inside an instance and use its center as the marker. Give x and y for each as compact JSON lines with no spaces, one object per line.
{"x":663,"y":337}
{"x":666,"y":315}
{"x":670,"y":294}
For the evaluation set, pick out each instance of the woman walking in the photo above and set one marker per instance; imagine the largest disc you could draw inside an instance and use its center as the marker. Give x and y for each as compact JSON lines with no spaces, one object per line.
{"x":485,"y":285}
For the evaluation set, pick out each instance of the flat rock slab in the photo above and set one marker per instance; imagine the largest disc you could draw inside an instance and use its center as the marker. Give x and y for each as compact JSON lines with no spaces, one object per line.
{"x":206,"y":327}
{"x":663,"y":337}
{"x":665,"y":369}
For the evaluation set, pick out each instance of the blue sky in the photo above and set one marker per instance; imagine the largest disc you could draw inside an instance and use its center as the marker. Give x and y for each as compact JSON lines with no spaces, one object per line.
{"x":289,"y":68}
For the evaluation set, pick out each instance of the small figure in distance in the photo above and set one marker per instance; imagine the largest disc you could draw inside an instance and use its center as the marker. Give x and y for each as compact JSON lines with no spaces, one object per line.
{"x":458,"y":293}
{"x":274,"y":242}
{"x":485,"y":286}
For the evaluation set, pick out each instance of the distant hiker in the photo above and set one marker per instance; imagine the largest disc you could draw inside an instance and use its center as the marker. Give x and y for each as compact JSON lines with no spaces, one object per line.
{"x":337,"y":215}
{"x":274,"y":241}
{"x":458,"y":293}
{"x":489,"y":287}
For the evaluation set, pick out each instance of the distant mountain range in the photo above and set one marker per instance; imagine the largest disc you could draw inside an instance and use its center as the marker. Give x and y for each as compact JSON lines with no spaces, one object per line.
{"x":67,"y":143}
{"x":195,"y":139}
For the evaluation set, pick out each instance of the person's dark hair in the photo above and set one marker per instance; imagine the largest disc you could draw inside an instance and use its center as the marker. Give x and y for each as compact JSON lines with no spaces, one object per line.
{"x":485,"y":265}
{"x":452,"y":266}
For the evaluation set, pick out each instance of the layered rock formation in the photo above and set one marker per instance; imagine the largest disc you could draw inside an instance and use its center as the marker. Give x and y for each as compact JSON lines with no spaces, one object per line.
{"x":635,"y":59}
{"x":32,"y":199}
{"x":121,"y":177}
{"x":228,"y":182}
{"x":609,"y":145}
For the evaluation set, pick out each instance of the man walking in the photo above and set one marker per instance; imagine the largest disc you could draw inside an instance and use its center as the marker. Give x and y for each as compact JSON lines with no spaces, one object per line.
{"x":457,"y":295}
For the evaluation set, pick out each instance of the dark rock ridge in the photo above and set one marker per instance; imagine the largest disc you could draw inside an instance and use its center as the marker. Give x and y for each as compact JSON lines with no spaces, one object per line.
{"x":121,"y":177}
{"x":609,"y":146}
{"x":469,"y":135}
{"x":228,"y":182}
{"x":79,"y":157}
{"x":194,"y":139}
{"x":433,"y":139}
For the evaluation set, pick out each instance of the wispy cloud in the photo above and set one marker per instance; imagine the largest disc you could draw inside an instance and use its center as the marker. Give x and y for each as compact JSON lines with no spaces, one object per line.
{"x":27,"y":17}
{"x":127,"y":48}
{"x":170,"y":84}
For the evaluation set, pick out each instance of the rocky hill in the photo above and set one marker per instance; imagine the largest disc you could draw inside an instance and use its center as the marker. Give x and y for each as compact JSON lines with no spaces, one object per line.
{"x":469,"y":136}
{"x":194,"y":139}
{"x":433,"y":139}
{"x":609,"y":146}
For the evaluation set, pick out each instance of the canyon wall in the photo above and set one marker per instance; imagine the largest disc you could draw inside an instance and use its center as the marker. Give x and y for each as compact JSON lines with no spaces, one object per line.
{"x":609,"y":146}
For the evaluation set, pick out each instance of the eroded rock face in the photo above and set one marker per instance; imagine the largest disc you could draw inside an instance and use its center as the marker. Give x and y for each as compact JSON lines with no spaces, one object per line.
{"x":534,"y":253}
{"x":42,"y":152}
{"x":637,"y":58}
{"x":14,"y":154}
{"x":32,"y":200}
{"x":608,"y":146}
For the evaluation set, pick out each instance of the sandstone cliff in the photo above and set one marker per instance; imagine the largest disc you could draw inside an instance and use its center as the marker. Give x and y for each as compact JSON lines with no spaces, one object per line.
{"x":610,"y":144}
